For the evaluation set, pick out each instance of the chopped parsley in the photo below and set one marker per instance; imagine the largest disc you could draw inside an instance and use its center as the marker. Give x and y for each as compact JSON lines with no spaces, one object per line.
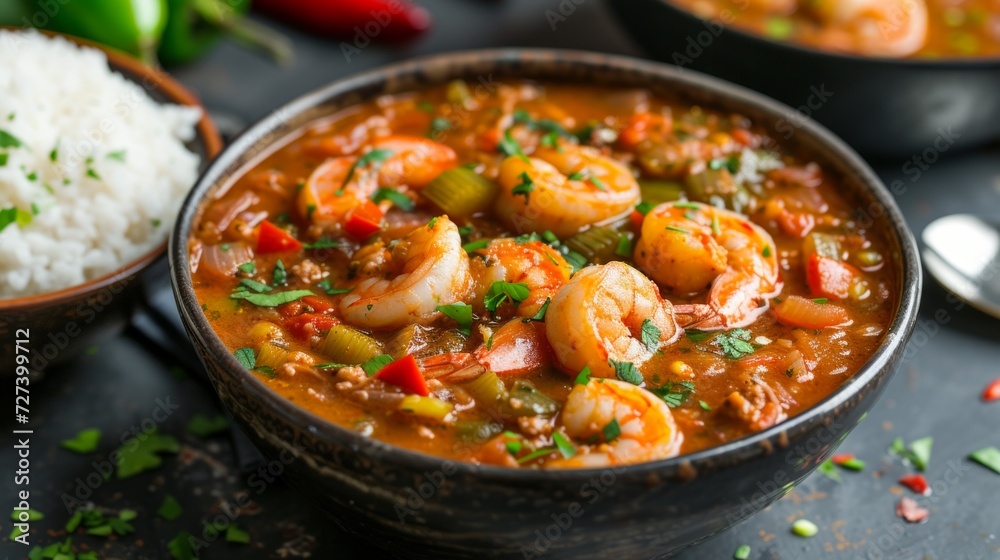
{"x":526,"y":186}
{"x":828,"y":469}
{"x":246,"y":357}
{"x":118,"y":156}
{"x":330,"y":290}
{"x":322,"y":243}
{"x":85,"y":441}
{"x":93,"y":174}
{"x":766,"y":252}
{"x":373,"y":365}
{"x":374,"y":156}
{"x":650,"y":335}
{"x":731,"y":163}
{"x":583,"y":377}
{"x":248,"y":267}
{"x":626,"y":371}
{"x":508,"y":146}
{"x":500,"y":291}
{"x":271,"y":300}
{"x":54,"y":154}
{"x":255,"y":286}
{"x":476,"y":245}
{"x":918,"y":452}
{"x":170,"y":509}
{"x":820,"y":300}
{"x":207,"y":426}
{"x":143,"y":453}
{"x":735,"y":344}
{"x":279,"y":275}
{"x":8,"y":140}
{"x":674,"y":394}
{"x":677,"y":229}
{"x":644,"y":207}
{"x":430,"y":224}
{"x":439,"y":125}
{"x":704,"y":405}
{"x":540,"y":315}
{"x":611,"y":431}
{"x":461,"y":313}
{"x":404,"y":202}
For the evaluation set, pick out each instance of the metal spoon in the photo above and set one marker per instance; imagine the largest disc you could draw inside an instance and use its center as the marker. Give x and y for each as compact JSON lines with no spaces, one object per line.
{"x":963,"y":253}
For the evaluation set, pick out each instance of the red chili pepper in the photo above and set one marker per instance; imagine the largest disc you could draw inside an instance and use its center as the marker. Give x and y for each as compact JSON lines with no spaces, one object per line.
{"x":405,"y":374}
{"x":992,"y":391}
{"x":393,"y":21}
{"x":917,"y":483}
{"x":637,"y":217}
{"x":273,"y":239}
{"x":364,"y":220}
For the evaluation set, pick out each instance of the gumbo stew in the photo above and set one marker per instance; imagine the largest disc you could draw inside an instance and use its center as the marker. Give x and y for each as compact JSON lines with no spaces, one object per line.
{"x":880,"y":28}
{"x":542,"y":276}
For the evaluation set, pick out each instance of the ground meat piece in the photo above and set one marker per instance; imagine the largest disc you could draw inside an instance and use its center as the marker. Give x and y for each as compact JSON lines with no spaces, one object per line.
{"x":308,"y":271}
{"x":534,"y":425}
{"x":351,"y":378}
{"x":758,"y":411}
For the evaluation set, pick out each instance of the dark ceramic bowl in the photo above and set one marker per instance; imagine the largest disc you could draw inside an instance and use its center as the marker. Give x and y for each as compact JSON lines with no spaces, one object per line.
{"x":881,"y":107}
{"x":63,"y":323}
{"x":416,"y":505}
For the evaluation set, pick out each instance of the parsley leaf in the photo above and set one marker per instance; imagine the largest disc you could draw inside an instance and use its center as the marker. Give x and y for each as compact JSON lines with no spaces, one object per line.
{"x":674,"y":394}
{"x":170,"y":509}
{"x":626,"y":371}
{"x":650,"y":334}
{"x":476,"y":245}
{"x":119,"y":155}
{"x":500,"y":291}
{"x":8,"y":140}
{"x":180,"y":547}
{"x":735,"y":344}
{"x":322,"y":243}
{"x":526,"y":186}
{"x":142,"y":453}
{"x":644,"y":207}
{"x":236,"y":535}
{"x":271,"y":300}
{"x":246,"y":357}
{"x":374,"y":156}
{"x":509,"y":147}
{"x":330,"y":290}
{"x":248,"y":267}
{"x":280,"y":275}
{"x":207,"y":426}
{"x":624,"y":248}
{"x":731,"y":163}
{"x":461,"y":313}
{"x":611,"y":431}
{"x":540,"y":316}
{"x":254,"y":285}
{"x":84,"y":442}
{"x":828,"y":469}
{"x":583,"y":377}
{"x":404,"y":202}
{"x":695,"y":335}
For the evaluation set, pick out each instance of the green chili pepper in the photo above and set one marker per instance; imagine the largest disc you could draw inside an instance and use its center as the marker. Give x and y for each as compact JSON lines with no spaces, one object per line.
{"x":193,"y":26}
{"x":133,"y":26}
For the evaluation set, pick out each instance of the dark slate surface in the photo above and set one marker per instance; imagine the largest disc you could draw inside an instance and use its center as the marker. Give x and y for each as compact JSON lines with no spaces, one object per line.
{"x":952,"y":357}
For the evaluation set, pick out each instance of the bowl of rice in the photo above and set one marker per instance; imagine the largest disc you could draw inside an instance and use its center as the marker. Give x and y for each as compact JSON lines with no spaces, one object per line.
{"x":97,"y":152}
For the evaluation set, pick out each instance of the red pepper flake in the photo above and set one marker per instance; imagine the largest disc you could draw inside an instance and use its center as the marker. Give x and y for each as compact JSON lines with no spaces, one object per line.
{"x":910,"y":511}
{"x":917,"y":483}
{"x":992,"y":391}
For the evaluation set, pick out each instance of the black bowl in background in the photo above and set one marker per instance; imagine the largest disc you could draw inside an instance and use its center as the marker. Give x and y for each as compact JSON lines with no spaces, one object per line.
{"x":881,"y":107}
{"x":416,"y":505}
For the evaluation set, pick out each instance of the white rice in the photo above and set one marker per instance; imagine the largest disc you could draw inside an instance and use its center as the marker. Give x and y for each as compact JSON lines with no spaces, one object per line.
{"x":100,"y":172}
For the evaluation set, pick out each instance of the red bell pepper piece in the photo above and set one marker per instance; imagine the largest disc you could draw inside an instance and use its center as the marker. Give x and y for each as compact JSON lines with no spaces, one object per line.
{"x":393,"y":21}
{"x":305,"y":325}
{"x":637,"y":217}
{"x":992,"y":391}
{"x":405,"y":374}
{"x":273,"y":239}
{"x":364,"y":220}
{"x":917,"y":483}
{"x":828,"y":277}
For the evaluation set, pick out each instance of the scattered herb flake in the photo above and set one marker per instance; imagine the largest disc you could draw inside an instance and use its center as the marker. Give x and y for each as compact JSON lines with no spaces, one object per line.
{"x":611,"y":431}
{"x":583,"y":377}
{"x":236,"y":535}
{"x":404,"y":202}
{"x":500,"y":291}
{"x":249,"y":267}
{"x":626,"y":371}
{"x":704,"y":405}
{"x":650,"y":334}
{"x":322,"y":243}
{"x":461,"y":313}
{"x":735,"y":343}
{"x":828,"y":469}
{"x":8,"y":140}
{"x":678,"y":230}
{"x":207,"y":426}
{"x":271,"y":300}
{"x":674,"y":394}
{"x":565,"y":447}
{"x":85,"y":441}
{"x":170,"y":509}
{"x":142,"y":453}
{"x":118,"y":156}
{"x":540,"y":315}
{"x":526,"y":186}
{"x":279,"y":275}
{"x":624,"y":248}
{"x":180,"y":547}
{"x":476,"y":245}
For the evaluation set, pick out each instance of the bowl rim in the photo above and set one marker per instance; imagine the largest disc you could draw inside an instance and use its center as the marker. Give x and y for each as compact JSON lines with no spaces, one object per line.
{"x":950,"y":62}
{"x":442,"y":67}
{"x":131,"y":68}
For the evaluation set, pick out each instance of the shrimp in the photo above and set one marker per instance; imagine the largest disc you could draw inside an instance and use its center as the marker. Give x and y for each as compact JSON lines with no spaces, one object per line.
{"x":564,"y":190}
{"x":534,"y":263}
{"x":648,"y":431}
{"x":608,"y":312}
{"x":334,"y":189}
{"x":689,"y":247}
{"x":414,"y":162}
{"x":406,"y":282}
{"x":515,"y":349}
{"x":889,"y":28}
